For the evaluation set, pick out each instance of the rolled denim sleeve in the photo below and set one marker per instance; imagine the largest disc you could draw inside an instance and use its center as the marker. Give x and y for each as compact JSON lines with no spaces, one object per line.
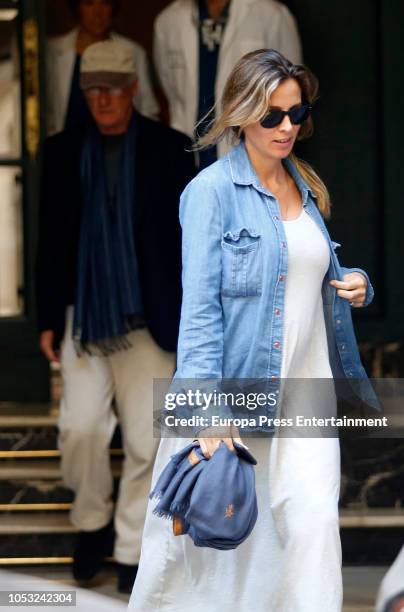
{"x":200,"y":343}
{"x":369,"y":289}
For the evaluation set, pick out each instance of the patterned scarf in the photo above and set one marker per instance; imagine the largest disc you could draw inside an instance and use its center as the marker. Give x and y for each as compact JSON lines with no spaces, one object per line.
{"x":108,"y":301}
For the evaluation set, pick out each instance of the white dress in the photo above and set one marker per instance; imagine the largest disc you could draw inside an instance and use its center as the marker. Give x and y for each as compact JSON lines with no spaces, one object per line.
{"x":292,"y":560}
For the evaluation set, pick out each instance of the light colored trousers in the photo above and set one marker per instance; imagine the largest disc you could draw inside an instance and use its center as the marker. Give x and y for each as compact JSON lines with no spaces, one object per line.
{"x":290,"y":563}
{"x":86,"y":425}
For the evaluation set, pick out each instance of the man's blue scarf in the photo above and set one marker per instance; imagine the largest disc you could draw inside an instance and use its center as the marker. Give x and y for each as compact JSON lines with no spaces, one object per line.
{"x":108,"y":301}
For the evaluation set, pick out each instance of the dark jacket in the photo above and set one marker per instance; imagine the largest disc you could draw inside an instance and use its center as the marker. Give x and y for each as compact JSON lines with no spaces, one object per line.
{"x":163,"y":168}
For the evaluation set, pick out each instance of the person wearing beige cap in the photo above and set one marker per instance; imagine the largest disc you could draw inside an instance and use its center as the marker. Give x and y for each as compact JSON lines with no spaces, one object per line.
{"x":108,"y":297}
{"x":110,"y":64}
{"x":66,"y":105}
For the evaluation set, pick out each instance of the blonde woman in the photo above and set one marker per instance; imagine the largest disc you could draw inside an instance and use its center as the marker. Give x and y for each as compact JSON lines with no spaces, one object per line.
{"x":264,"y":298}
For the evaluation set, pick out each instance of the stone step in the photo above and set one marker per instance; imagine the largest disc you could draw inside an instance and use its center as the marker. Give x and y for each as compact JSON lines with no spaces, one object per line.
{"x":9,"y":410}
{"x":54,"y":545}
{"x":43,"y":454}
{"x":349,"y":518}
{"x":27,"y":454}
{"x":8,"y":562}
{"x":8,"y":407}
{"x":38,"y":507}
{"x":20,"y":493}
{"x":30,"y":470}
{"x":34,"y":538}
{"x":371,"y":518}
{"x":35,"y":421}
{"x":58,"y":522}
{"x":27,"y":427}
{"x":35,"y":430}
{"x":40,"y":441}
{"x":35,"y":523}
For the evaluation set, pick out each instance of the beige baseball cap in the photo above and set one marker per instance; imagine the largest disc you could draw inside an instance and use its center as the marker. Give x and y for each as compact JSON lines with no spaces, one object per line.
{"x":107,"y":63}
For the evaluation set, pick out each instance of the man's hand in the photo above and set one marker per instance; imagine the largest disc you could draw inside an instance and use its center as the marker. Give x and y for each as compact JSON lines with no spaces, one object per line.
{"x":46,"y":344}
{"x":352,"y":288}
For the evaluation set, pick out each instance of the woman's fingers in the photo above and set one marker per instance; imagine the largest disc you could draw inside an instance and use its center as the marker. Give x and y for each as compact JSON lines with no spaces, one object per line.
{"x":235,"y":434}
{"x":239,"y":441}
{"x":352,"y":288}
{"x":352,"y":296}
{"x":209,"y":446}
{"x":204,"y":447}
{"x":229,"y":443}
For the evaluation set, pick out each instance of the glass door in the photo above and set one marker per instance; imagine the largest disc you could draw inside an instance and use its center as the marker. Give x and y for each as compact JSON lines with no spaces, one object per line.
{"x":24,"y":374}
{"x":11,"y":242}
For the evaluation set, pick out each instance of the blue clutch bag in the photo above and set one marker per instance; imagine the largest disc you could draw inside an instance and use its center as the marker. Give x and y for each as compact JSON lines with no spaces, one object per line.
{"x":212,"y":500}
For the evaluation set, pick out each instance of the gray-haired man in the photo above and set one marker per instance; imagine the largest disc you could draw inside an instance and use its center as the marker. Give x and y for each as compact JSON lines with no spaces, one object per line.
{"x":109,"y":293}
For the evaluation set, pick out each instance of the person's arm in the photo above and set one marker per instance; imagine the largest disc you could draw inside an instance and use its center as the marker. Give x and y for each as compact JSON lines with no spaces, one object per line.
{"x":145,"y":100}
{"x":288,"y":36}
{"x":160,"y":55}
{"x":369,"y":288}
{"x":49,"y":294}
{"x":356,"y":287}
{"x":200,"y":344}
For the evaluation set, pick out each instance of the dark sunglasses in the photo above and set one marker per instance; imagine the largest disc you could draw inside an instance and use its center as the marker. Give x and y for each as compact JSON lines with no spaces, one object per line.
{"x":297,"y":115}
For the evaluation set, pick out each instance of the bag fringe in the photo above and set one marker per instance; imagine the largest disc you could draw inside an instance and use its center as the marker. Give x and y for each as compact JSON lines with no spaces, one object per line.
{"x":166,"y":514}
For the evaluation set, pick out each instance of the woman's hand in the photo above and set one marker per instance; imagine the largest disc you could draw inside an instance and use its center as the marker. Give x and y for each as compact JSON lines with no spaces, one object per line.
{"x":210,"y":444}
{"x":352,"y":288}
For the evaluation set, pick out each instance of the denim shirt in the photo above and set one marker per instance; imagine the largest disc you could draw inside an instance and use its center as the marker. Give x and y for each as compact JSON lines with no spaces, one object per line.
{"x":235,"y":264}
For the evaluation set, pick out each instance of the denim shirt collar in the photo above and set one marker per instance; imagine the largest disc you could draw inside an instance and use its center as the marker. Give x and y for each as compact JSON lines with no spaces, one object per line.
{"x":243,"y":173}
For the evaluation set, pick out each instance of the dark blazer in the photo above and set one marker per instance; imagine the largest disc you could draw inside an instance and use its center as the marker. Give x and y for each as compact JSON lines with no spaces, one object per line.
{"x":163,"y":168}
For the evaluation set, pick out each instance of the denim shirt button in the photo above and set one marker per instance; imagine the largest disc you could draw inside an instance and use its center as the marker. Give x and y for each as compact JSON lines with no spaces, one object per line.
{"x":277,"y":311}
{"x":277,"y":344}
{"x":276,"y":218}
{"x":281,"y":278}
{"x":338,"y":321}
{"x":284,"y":245}
{"x":342,"y":347}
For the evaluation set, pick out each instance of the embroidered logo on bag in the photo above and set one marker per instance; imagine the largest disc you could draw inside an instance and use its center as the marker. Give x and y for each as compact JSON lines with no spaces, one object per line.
{"x":229,"y":511}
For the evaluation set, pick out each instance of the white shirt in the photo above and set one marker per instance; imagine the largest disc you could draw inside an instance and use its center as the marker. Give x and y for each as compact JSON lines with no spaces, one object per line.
{"x":305,"y":348}
{"x":252,"y":24}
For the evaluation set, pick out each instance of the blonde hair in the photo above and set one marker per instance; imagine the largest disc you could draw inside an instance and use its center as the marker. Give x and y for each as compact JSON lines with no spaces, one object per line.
{"x":246,"y":100}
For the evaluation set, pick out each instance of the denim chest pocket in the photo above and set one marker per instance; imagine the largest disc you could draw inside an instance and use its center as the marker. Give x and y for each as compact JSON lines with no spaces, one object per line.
{"x":241,"y":263}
